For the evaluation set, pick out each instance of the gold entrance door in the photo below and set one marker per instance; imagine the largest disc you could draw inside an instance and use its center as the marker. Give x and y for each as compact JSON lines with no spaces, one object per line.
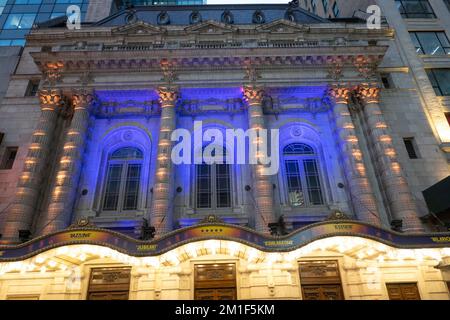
{"x":403,"y":291}
{"x":109,"y":284}
{"x":215,"y":281}
{"x":320,"y":280}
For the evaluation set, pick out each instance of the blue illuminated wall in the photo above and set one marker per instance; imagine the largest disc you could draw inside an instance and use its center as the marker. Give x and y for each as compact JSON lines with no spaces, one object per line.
{"x":132,"y":129}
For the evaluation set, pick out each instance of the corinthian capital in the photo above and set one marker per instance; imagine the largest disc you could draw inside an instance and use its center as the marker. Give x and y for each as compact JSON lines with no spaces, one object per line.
{"x":168,"y":95}
{"x":368,"y":93}
{"x":82,"y":99}
{"x":50,"y":98}
{"x":339,"y":94}
{"x":253,"y":94}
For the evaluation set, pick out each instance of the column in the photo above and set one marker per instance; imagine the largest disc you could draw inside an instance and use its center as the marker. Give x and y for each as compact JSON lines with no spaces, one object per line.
{"x":262,"y":185}
{"x":359,"y":187}
{"x":161,"y":217}
{"x":62,"y":198}
{"x":24,"y":206}
{"x":400,"y":199}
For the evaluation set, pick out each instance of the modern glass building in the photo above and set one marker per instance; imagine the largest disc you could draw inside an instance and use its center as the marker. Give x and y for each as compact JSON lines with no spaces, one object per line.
{"x":18,"y":16}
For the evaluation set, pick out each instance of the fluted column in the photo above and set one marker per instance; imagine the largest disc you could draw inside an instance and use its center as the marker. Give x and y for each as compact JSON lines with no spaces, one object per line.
{"x":23,"y":207}
{"x":363,"y":198}
{"x":62,"y":197}
{"x":161,"y":217}
{"x":401,"y":201}
{"x":262,"y":186}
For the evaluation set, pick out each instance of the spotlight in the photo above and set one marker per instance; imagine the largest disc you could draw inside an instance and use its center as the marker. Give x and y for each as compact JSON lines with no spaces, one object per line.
{"x":248,"y":188}
{"x":24,"y":235}
{"x":397,"y":225}
{"x":179,"y":189}
{"x":340,"y":185}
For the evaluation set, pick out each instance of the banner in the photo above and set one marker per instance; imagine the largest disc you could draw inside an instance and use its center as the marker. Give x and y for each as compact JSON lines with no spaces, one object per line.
{"x":221,"y":231}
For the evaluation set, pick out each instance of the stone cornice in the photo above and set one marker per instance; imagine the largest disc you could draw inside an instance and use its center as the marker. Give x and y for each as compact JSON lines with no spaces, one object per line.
{"x":36,"y":37}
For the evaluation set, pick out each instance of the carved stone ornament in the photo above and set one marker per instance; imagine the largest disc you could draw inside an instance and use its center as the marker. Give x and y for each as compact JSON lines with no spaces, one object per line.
{"x":83,"y":222}
{"x":211,"y":219}
{"x":338,"y":215}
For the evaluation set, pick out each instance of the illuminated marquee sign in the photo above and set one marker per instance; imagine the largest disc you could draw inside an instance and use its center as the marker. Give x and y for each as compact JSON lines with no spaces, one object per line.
{"x":295,"y":240}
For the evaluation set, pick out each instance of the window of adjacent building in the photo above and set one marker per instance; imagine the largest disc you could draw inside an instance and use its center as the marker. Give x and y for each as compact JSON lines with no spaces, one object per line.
{"x":447,"y":115}
{"x":213,"y":185}
{"x":447,"y":3}
{"x":32,"y":88}
{"x":387,"y":81}
{"x":20,"y":21}
{"x":325,"y":5}
{"x":440,"y":80}
{"x":415,"y":9}
{"x":302,"y":175}
{"x":9,"y":157}
{"x":403,"y":291}
{"x":123,"y":179}
{"x":432,"y":43}
{"x":411,"y":148}
{"x":2,"y":5}
{"x":335,"y":9}
{"x":313,"y":6}
{"x":28,"y":2}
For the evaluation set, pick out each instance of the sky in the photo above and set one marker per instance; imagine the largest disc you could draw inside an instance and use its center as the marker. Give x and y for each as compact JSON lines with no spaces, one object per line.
{"x":245,"y":1}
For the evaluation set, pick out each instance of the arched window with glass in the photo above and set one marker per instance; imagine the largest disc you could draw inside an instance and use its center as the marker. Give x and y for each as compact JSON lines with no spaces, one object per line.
{"x":213,"y":184}
{"x":302,"y":175}
{"x":123,"y":180}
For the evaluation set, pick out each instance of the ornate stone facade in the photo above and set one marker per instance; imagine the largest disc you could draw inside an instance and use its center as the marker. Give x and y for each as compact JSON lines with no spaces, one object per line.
{"x":113,"y":93}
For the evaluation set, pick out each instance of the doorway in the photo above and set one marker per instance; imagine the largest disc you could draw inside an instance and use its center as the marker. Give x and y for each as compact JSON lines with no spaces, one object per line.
{"x":320,"y":280}
{"x":215,"y":281}
{"x":109,"y":284}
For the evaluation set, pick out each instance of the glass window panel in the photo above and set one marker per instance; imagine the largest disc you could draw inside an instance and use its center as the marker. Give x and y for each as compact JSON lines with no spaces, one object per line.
{"x":13,"y":21}
{"x":416,"y":43}
{"x":127,"y":153}
{"x":430,"y":43}
{"x":440,"y":80}
{"x":313,"y":182}
{"x":223,"y":190}
{"x":132,"y":187}
{"x":295,"y":190}
{"x":204,"y":192}
{"x":112,"y":187}
{"x":27,"y":21}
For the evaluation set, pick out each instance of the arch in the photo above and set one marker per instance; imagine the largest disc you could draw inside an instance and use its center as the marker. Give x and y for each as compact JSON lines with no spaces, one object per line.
{"x":135,"y":145}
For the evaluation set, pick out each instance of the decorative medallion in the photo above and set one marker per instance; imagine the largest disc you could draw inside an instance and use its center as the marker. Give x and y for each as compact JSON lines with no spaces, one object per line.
{"x":296,"y":131}
{"x":127,"y":135}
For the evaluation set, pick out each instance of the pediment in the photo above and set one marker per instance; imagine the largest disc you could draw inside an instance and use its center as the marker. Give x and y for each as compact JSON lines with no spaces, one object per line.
{"x":211,"y":27}
{"x":138,"y":28}
{"x":283,"y":26}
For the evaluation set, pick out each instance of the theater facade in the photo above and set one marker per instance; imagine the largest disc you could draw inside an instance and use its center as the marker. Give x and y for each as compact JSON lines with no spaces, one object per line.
{"x":95,"y":208}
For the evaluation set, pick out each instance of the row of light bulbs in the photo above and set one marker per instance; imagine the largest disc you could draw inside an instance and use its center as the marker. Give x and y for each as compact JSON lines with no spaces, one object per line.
{"x":364,"y":250}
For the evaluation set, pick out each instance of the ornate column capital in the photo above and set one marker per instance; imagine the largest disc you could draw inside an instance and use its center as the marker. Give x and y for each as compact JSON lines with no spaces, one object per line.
{"x":368,"y":93}
{"x":339,"y":93}
{"x":82,"y":99}
{"x":253,"y":94}
{"x":50,"y":98}
{"x":168,"y":95}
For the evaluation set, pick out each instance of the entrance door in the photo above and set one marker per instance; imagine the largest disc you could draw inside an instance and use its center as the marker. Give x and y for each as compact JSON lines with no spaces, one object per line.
{"x":320,"y":280}
{"x":403,"y":291}
{"x":109,"y":284}
{"x":215,"y":281}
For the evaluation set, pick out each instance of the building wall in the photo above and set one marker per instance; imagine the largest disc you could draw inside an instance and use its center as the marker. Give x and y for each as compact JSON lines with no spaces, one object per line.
{"x":268,"y":276}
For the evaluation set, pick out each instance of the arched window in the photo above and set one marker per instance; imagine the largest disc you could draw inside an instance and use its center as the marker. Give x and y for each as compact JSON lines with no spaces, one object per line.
{"x":123,"y":179}
{"x":302,"y":175}
{"x":213,"y":185}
